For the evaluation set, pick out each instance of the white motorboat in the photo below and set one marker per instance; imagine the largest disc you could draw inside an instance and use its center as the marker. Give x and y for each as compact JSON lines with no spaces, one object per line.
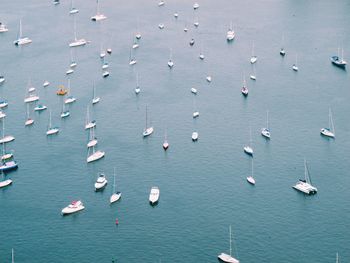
{"x":2,"y":79}
{"x":154,"y":195}
{"x":161,"y":26}
{"x":96,"y":155}
{"x":3,"y":104}
{"x":228,"y":257}
{"x":5,"y":183}
{"x":73,"y":207}
{"x":148,"y":130}
{"x":116,"y":194}
{"x":161,"y":3}
{"x":194,"y":136}
{"x":195,"y":6}
{"x":105,"y":73}
{"x":208,"y":78}
{"x":31,"y":98}
{"x":266,"y":131}
{"x":339,"y":60}
{"x":46,"y":83}
{"x":98,"y":16}
{"x":329,"y":132}
{"x":51,"y":130}
{"x":194,"y":90}
{"x":195,"y":114}
{"x":21,"y":40}
{"x":40,"y":107}
{"x":304,"y":185}
{"x":101,"y":182}
{"x":3,"y":28}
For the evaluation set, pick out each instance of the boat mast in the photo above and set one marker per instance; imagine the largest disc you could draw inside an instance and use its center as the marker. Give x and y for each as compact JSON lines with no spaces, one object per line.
{"x":267,"y":119}
{"x":252,"y":167}
{"x":146,"y":119}
{"x":75,"y":29}
{"x":331,"y":124}
{"x":20,"y":28}
{"x":337,"y":259}
{"x":93,"y":90}
{"x":87,"y":115}
{"x":97,"y":8}
{"x":114,"y":181}
{"x":230,"y":242}
{"x":137,"y":80}
{"x":13,"y":256}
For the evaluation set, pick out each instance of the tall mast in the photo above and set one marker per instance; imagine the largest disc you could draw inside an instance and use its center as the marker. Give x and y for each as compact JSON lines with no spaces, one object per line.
{"x":114,"y":181}
{"x":75,"y":29}
{"x":97,"y":8}
{"x":20,"y":28}
{"x":267,"y":119}
{"x":252,"y":167}
{"x":13,"y":256}
{"x":230,"y":242}
{"x":50,"y":119}
{"x":146,"y":118}
{"x":137,"y":80}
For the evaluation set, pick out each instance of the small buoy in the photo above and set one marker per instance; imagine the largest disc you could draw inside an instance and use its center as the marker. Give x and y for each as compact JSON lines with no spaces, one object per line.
{"x":117,"y":222}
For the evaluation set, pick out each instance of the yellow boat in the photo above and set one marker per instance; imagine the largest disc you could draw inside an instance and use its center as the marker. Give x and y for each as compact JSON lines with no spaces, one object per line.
{"x":61,"y":90}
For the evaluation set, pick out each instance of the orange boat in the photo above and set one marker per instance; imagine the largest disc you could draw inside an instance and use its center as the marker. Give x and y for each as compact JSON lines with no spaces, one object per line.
{"x":61,"y":90}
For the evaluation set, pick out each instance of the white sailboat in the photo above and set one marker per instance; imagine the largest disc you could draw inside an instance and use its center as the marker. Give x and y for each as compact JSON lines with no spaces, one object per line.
{"x":98,"y":16}
{"x":95,"y":99}
{"x":64,"y":113}
{"x":165,"y":143}
{"x":330,"y":131}
{"x":51,"y":130}
{"x":148,"y":130}
{"x":132,"y":60}
{"x":70,"y":99}
{"x":46,"y":83}
{"x":21,"y":40}
{"x":250,"y":178}
{"x":195,"y":6}
{"x":95,"y":155}
{"x":29,"y":121}
{"x":253,"y":75}
{"x":295,"y":65}
{"x":77,"y":42}
{"x":201,"y":55}
{"x":249,"y":149}
{"x":3,"y":28}
{"x":253,"y":58}
{"x":170,"y":62}
{"x":244,"y":88}
{"x":266,"y":131}
{"x":31,"y":97}
{"x":230,"y":33}
{"x":5,"y":183}
{"x":116,"y":194}
{"x":228,"y":257}
{"x":73,"y":10}
{"x":195,"y":113}
{"x":89,"y":124}
{"x":305,"y":185}
{"x":3,"y":104}
{"x":5,"y":138}
{"x":5,"y":155}
{"x":92,"y":138}
{"x":137,"y":88}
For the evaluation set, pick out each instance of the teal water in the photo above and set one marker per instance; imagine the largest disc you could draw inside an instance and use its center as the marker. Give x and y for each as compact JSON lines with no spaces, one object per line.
{"x":203,"y":186}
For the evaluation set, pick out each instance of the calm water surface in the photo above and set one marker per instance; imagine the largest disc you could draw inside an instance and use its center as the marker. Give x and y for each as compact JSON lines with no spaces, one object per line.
{"x":203,"y":185}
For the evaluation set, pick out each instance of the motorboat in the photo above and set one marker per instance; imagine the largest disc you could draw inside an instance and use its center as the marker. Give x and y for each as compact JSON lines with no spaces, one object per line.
{"x":195,"y":6}
{"x":98,"y":17}
{"x":70,"y":100}
{"x":105,"y":74}
{"x":339,"y":60}
{"x":194,"y":90}
{"x":194,"y":136}
{"x":105,"y":65}
{"x":101,"y":182}
{"x":46,"y":83}
{"x":161,"y":26}
{"x":40,"y":107}
{"x":73,"y":207}
{"x":5,"y":183}
{"x":195,"y":114}
{"x":3,"y":28}
{"x":3,"y":104}
{"x":31,"y":98}
{"x":62,"y":91}
{"x":161,"y":3}
{"x":8,"y":166}
{"x":154,"y":195}
{"x":248,"y":150}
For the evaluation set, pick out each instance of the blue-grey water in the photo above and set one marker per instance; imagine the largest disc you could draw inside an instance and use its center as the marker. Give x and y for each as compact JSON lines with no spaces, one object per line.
{"x":203,"y":185}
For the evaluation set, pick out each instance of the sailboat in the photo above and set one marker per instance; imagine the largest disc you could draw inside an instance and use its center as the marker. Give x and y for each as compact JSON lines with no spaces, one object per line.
{"x":4,"y":184}
{"x":248,"y":149}
{"x":73,"y":10}
{"x":135,"y":44}
{"x":132,"y":60}
{"x":5,"y":155}
{"x":244,"y":89}
{"x":77,"y":42}
{"x":46,"y":83}
{"x":3,"y":103}
{"x":89,"y":124}
{"x":3,"y":28}
{"x":2,"y":79}
{"x":253,"y":58}
{"x":138,"y":34}
{"x":195,"y":111}
{"x":339,"y":60}
{"x":266,"y":131}
{"x":305,"y":185}
{"x":170,"y":62}
{"x":230,"y":33}
{"x":70,"y":99}
{"x":336,"y":258}
{"x":21,"y":40}
{"x":137,"y":89}
{"x":29,"y":121}
{"x":165,"y":143}
{"x":228,"y":258}
{"x":92,"y":138}
{"x":329,"y":132}
{"x":253,"y":75}
{"x":31,"y":96}
{"x":95,"y":99}
{"x":148,"y":130}
{"x":195,"y":6}
{"x":282,"y":51}
{"x":73,"y":63}
{"x":295,"y":65}
{"x":95,"y":155}
{"x":102,"y":52}
{"x":5,"y":138}
{"x":98,"y":16}
{"x":250,"y":178}
{"x":64,"y":113}
{"x":116,"y":194}
{"x":51,"y":130}
{"x":201,"y":55}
